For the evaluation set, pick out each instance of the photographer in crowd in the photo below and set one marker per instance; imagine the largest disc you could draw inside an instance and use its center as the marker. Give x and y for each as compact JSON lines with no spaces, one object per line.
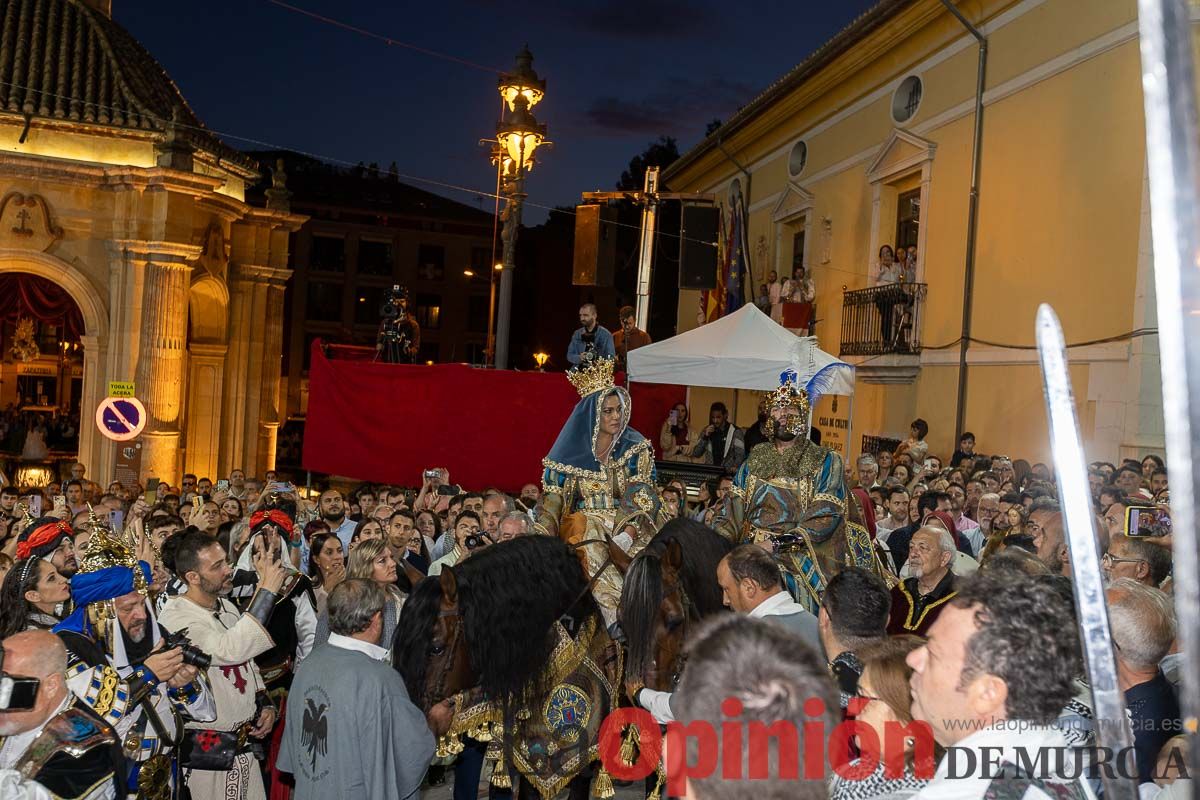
{"x":399,"y":336}
{"x":218,"y":758}
{"x":121,"y":664}
{"x":592,"y":340}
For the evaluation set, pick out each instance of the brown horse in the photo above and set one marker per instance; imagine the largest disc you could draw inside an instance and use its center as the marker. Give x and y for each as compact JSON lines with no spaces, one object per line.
{"x":668,"y":587}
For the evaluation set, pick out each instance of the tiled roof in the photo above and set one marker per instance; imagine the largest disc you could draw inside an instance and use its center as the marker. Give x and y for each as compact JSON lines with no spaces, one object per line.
{"x":60,"y":59}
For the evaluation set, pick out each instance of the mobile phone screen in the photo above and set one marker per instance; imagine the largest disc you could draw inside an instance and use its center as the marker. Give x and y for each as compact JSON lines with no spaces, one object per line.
{"x":1147,"y":521}
{"x":222,"y":485}
{"x":116,"y":519}
{"x":151,"y":495}
{"x":35,"y":505}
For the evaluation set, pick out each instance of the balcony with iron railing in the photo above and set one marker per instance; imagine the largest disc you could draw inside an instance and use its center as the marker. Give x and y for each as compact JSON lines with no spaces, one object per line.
{"x":881,"y":331}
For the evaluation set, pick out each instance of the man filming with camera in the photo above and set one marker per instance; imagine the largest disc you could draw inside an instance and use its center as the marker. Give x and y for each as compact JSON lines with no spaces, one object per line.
{"x":399,"y":334}
{"x":124,"y":666}
{"x":590,"y":342}
{"x":218,"y":758}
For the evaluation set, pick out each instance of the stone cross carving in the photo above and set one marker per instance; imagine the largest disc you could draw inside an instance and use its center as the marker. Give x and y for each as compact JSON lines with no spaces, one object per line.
{"x":25,"y":223}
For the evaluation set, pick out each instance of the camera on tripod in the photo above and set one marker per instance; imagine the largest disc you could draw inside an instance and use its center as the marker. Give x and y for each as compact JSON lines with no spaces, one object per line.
{"x":391,"y":304}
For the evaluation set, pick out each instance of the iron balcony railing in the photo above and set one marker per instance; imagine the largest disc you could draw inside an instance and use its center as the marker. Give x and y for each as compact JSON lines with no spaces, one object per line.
{"x":878,"y":444}
{"x":882,"y":319}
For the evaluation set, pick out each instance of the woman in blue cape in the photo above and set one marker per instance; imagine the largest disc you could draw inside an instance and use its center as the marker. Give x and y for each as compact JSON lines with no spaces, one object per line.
{"x":598,"y":481}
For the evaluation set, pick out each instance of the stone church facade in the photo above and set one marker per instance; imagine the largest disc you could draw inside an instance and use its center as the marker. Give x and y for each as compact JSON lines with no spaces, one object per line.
{"x":112,"y":188}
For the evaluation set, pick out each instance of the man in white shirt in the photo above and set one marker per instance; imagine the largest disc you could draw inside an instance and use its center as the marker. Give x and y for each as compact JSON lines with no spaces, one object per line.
{"x":991,"y":698}
{"x":897,"y":506}
{"x":749,"y":579}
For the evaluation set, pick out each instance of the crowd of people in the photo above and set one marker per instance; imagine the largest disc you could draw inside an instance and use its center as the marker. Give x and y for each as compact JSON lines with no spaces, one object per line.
{"x":219,"y":631}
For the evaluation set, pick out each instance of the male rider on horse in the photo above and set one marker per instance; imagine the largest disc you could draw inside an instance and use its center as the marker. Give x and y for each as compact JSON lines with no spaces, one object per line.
{"x":790,"y":496}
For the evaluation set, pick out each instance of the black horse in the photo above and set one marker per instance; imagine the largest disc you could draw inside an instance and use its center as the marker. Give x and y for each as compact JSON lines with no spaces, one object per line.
{"x":669,"y":585}
{"x":493,"y":622}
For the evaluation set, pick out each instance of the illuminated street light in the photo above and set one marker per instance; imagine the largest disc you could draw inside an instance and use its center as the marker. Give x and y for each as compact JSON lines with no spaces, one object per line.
{"x":522,"y":82}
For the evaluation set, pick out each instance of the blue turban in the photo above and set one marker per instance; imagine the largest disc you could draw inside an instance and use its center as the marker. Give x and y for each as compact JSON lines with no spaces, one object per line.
{"x":94,"y":587}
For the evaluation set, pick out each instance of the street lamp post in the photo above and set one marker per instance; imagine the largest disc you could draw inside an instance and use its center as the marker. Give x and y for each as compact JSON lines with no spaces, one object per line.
{"x":517,"y":139}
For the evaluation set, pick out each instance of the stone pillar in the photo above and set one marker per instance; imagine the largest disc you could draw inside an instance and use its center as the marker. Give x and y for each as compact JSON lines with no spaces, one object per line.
{"x":269,"y":415}
{"x":95,"y":451}
{"x":206,"y":378}
{"x":160,"y":372}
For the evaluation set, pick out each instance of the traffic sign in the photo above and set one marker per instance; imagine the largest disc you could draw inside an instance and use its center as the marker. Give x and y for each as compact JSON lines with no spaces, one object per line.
{"x":120,"y":388}
{"x":120,"y":418}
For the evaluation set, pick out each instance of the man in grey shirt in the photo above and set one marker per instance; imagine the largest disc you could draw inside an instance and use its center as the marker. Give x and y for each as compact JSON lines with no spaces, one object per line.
{"x":356,"y":737}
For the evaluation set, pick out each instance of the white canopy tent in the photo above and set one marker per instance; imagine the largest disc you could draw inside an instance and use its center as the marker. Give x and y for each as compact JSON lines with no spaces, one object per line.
{"x":744,"y":350}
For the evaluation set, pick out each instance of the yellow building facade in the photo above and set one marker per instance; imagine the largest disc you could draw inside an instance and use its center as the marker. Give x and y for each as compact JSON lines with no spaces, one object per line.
{"x":877,"y":126}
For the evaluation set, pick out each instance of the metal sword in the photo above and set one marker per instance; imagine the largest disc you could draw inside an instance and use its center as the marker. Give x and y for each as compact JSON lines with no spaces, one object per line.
{"x":1173,"y":169}
{"x":1108,"y":701}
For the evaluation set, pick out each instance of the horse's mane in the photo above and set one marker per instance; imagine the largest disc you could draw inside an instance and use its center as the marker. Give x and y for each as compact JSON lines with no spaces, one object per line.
{"x":511,"y":595}
{"x":414,"y":631}
{"x":642,"y":590}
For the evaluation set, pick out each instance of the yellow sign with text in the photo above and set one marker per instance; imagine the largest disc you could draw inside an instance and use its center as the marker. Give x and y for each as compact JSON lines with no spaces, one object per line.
{"x":120,"y":388}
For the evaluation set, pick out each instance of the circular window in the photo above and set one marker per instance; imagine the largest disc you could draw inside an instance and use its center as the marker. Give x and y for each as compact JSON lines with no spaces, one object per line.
{"x":798,"y":158}
{"x":907,"y":99}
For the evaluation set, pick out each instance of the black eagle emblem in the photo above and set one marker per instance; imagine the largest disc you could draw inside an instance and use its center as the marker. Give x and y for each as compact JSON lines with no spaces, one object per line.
{"x":315,"y":731}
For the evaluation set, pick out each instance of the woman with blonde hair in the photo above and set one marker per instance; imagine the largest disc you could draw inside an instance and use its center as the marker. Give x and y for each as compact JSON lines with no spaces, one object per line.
{"x":372,"y":560}
{"x":883,"y":697}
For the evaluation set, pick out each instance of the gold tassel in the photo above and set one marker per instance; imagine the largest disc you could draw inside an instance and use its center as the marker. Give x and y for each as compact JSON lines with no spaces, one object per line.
{"x":657,"y":793}
{"x":631,"y":740}
{"x":604,"y":785}
{"x":443,"y":750}
{"x":500,"y":776}
{"x":482,"y":733}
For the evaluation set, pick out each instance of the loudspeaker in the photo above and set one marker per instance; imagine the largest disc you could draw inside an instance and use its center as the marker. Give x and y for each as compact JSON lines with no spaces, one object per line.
{"x":698,"y":233}
{"x":595,"y":245}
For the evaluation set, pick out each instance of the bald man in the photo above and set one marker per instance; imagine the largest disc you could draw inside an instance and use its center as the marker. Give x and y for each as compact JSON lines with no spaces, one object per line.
{"x":99,"y":772}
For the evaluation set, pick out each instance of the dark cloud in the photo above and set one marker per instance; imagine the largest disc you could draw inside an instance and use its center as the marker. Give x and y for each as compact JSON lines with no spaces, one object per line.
{"x":679,"y":106}
{"x":648,"y":19}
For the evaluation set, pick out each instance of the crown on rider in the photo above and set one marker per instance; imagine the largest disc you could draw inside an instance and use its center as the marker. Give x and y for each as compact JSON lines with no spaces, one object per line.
{"x":789,"y":394}
{"x":593,"y":376}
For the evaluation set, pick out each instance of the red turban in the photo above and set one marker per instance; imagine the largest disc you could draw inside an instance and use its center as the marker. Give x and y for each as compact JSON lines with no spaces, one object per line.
{"x":274,"y":517}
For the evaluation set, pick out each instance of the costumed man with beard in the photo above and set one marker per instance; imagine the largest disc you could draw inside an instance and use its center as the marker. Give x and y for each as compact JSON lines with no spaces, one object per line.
{"x":117,"y":664}
{"x":293,"y":624}
{"x":601,"y":467}
{"x":217,"y":758}
{"x":58,"y":741}
{"x":790,"y":496}
{"x":52,"y":539}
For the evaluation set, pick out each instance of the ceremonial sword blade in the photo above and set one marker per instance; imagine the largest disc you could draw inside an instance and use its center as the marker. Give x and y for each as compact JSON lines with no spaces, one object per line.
{"x":1173,"y":170}
{"x":1112,"y":726}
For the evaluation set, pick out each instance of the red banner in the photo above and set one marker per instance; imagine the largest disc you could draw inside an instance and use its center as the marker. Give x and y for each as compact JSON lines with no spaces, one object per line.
{"x":386,"y":423}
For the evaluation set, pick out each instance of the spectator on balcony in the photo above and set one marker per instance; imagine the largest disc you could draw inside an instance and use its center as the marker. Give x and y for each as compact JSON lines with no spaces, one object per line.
{"x":775,"y":294}
{"x":966,"y":449}
{"x":799,"y":293}
{"x":591,"y":340}
{"x":911,"y":269}
{"x":888,"y":271}
{"x":677,"y":439}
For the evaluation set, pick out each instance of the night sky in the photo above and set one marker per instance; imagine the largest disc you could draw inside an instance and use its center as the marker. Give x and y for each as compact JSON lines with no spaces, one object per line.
{"x":620,"y":73}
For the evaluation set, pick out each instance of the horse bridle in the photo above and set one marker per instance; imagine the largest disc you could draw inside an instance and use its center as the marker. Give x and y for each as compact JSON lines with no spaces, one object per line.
{"x":451,"y":649}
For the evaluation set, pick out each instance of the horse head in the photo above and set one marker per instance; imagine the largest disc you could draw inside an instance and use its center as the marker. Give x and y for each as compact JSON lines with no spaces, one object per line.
{"x":430,"y":648}
{"x":655,"y":610}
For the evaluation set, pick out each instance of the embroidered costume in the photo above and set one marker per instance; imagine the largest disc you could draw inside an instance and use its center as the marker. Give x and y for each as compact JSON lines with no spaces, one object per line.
{"x":146,"y":714}
{"x":611,"y":494}
{"x":913,"y":612}
{"x":797,"y":499}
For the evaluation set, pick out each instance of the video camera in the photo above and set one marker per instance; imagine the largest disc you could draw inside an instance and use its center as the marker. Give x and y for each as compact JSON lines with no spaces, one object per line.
{"x":391,"y":305}
{"x":16,"y":694}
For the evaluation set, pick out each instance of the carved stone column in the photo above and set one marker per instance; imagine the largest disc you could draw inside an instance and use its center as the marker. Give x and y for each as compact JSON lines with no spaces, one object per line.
{"x":269,"y":416}
{"x":160,"y":365}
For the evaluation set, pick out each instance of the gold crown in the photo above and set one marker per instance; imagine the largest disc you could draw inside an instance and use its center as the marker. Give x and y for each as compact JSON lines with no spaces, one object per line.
{"x":788,"y":395}
{"x":593,"y":377}
{"x":108,"y":549}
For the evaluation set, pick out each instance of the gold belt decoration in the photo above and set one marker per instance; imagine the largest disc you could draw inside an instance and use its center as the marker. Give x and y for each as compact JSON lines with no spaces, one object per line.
{"x":108,"y":691}
{"x":154,"y":779}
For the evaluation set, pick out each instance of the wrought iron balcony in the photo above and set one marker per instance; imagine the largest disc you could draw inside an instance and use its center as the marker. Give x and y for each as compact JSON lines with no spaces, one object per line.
{"x":882,"y":320}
